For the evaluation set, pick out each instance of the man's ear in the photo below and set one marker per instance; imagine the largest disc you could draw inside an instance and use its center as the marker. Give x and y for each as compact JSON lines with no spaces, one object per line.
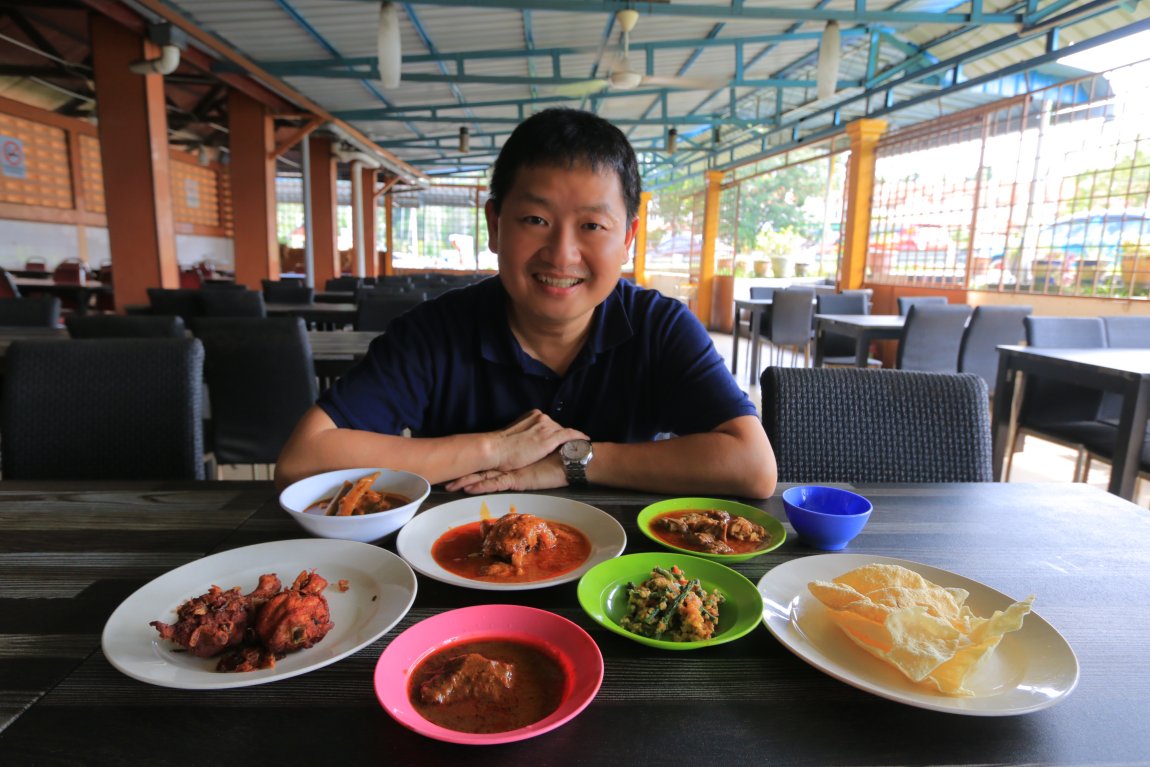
{"x":493,"y":226}
{"x":632,"y":229}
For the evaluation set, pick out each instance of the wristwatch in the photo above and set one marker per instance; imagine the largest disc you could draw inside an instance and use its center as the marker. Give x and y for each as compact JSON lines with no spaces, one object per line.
{"x":575,"y":455}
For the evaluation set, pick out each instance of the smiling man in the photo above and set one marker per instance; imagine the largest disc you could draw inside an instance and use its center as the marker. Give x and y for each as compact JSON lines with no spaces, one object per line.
{"x":556,"y":371}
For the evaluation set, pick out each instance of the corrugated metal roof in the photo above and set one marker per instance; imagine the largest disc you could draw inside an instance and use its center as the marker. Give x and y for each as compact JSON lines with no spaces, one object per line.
{"x":468,"y":64}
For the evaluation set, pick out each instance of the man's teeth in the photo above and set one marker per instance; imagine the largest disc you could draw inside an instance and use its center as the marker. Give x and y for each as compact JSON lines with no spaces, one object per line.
{"x":559,"y":282}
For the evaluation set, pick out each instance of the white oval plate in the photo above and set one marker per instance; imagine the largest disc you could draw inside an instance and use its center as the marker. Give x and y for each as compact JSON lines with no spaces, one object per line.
{"x":416,"y":538}
{"x":1031,"y":668}
{"x":381,"y":589}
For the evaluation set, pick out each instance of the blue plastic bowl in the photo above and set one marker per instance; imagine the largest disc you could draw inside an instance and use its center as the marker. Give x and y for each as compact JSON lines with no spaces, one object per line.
{"x":826,"y":518}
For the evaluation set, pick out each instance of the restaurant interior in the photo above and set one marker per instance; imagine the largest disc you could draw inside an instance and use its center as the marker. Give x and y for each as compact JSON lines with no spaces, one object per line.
{"x":917,"y":233}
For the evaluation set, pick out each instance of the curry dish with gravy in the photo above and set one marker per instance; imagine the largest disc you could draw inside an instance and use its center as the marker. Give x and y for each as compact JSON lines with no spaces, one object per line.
{"x":491,"y":685}
{"x":515,"y":548}
{"x":712,"y":531}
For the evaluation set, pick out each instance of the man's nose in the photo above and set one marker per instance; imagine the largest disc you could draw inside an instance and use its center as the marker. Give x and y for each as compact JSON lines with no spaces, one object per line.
{"x":563,"y":245}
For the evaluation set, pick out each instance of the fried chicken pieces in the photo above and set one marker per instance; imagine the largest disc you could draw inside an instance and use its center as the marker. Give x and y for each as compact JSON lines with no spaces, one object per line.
{"x":252,"y":630}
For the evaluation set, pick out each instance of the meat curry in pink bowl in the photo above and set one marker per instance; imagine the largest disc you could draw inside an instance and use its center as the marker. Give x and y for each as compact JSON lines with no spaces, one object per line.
{"x":488,"y":674}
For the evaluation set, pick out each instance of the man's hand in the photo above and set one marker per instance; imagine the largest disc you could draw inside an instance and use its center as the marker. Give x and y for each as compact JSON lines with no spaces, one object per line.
{"x":530,"y":439}
{"x":543,"y":475}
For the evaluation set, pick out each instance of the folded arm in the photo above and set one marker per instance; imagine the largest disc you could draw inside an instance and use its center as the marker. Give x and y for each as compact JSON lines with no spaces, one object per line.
{"x":318,"y":445}
{"x":733,"y":459}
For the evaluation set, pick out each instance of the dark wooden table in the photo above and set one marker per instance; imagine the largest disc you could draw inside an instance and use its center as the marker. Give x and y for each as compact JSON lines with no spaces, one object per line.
{"x":758,"y":309}
{"x":1125,"y":372}
{"x":863,"y":328}
{"x":71,"y":553}
{"x":318,"y":315}
{"x":81,"y":292}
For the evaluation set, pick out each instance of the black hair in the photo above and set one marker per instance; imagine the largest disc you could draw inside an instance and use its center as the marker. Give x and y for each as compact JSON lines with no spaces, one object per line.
{"x":564,"y":137}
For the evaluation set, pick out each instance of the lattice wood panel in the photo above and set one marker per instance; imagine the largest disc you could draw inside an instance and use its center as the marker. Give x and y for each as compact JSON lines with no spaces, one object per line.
{"x":46,"y":180}
{"x":195,"y":194}
{"x":93,"y":174}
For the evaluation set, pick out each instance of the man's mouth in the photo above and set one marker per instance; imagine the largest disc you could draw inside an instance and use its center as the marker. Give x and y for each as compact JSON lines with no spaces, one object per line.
{"x":558,"y":282}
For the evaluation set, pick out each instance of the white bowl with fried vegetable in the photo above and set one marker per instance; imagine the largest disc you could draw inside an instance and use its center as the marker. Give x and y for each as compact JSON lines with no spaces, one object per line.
{"x":355,"y":504}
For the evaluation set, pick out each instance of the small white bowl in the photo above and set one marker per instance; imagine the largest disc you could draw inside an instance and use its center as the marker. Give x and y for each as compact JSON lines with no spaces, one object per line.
{"x":365,"y":527}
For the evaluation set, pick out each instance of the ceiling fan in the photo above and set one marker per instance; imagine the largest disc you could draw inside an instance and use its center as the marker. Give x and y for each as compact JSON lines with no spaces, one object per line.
{"x":622,"y":77}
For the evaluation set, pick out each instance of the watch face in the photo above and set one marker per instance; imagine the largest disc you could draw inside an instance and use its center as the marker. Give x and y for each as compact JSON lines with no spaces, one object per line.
{"x":576,"y":449}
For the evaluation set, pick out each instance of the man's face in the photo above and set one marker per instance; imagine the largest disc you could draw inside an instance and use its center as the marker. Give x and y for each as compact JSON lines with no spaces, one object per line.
{"x":562,"y":237}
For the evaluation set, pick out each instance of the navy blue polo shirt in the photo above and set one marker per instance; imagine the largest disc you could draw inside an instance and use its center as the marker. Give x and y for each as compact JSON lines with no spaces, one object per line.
{"x":452,"y":366}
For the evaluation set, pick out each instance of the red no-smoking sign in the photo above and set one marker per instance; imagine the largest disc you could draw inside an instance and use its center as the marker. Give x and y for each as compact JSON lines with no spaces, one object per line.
{"x":12,"y":157}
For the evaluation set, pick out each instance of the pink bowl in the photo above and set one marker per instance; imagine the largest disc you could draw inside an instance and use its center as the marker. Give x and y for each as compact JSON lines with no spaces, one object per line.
{"x":572,"y":645}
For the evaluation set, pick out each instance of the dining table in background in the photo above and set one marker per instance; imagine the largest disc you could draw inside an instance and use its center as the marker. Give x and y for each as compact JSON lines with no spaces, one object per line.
{"x":317,"y":315}
{"x":758,"y":310}
{"x":865,"y":329}
{"x":1125,"y":372}
{"x":70,"y":553}
{"x":80,"y":292}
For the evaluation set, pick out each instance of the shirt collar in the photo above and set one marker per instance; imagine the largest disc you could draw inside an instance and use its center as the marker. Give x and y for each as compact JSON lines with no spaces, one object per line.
{"x":610,"y":326}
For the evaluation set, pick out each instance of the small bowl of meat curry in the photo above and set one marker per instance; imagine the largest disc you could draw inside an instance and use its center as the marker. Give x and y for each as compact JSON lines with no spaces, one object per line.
{"x":488,"y":674}
{"x":726,"y":531}
{"x":355,"y":504}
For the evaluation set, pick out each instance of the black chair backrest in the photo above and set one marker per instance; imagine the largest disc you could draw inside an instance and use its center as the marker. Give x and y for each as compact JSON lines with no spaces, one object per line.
{"x":8,"y":286}
{"x":989,"y":328}
{"x":377,"y":312}
{"x":843,"y":303}
{"x":759,"y":292}
{"x":185,"y":303}
{"x":278,"y":293}
{"x":233,"y":303}
{"x":30,"y":312}
{"x":836,"y":346}
{"x":931,"y":337}
{"x":261,"y":380}
{"x":125,"y":326}
{"x":344,"y":282}
{"x":1127,"y":332}
{"x":297,"y":282}
{"x":863,"y":425}
{"x":792,"y":312}
{"x":100,"y":409}
{"x":905,"y":302}
{"x":1049,"y":403}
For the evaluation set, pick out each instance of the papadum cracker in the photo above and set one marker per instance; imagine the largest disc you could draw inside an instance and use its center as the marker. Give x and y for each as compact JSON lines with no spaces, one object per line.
{"x":924,"y":630}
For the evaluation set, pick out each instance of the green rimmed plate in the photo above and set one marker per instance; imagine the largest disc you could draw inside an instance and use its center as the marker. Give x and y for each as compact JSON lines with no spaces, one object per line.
{"x":773,"y":526}
{"x":603,"y":595}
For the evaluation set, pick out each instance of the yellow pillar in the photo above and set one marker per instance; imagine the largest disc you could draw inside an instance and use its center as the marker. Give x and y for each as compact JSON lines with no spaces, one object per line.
{"x":641,"y":239}
{"x":864,"y":136}
{"x":714,"y":180}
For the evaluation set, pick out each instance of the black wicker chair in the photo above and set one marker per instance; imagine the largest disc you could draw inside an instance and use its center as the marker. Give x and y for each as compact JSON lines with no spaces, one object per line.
{"x":103,"y":409}
{"x":261,"y":380}
{"x":377,"y":312}
{"x":125,"y":326}
{"x":30,"y":312}
{"x":233,"y":303}
{"x":864,"y":425}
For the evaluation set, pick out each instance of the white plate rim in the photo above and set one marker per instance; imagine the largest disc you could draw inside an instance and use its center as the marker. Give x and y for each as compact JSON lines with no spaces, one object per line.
{"x":784,"y":593}
{"x":382,"y":590}
{"x":608,"y":539}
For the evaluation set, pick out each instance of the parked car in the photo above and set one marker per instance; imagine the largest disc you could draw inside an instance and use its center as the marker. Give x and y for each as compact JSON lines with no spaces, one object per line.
{"x":1088,"y":244}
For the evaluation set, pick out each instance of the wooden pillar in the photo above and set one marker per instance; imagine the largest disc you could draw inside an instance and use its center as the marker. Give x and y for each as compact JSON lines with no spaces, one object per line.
{"x":253,"y":180}
{"x":323,"y":232}
{"x":864,"y":135}
{"x":370,"y":254}
{"x":133,"y":130}
{"x":388,"y":265}
{"x":714,"y":180}
{"x":641,"y":239}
